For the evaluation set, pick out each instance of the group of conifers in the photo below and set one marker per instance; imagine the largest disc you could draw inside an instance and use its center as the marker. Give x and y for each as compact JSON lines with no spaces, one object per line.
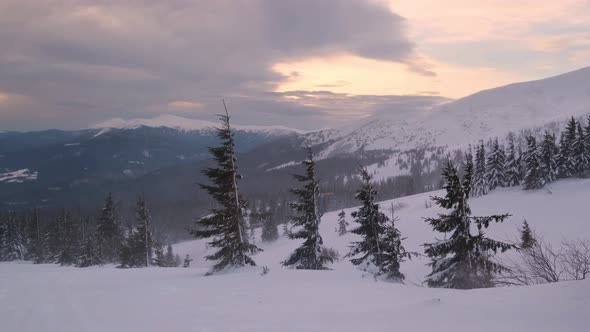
{"x":462,"y":260}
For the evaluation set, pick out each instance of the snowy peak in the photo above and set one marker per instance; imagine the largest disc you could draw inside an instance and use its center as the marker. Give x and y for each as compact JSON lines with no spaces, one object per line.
{"x":490,"y":113}
{"x":188,"y":124}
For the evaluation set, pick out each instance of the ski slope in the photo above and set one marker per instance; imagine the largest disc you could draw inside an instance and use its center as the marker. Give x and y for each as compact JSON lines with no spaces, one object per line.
{"x":67,"y":299}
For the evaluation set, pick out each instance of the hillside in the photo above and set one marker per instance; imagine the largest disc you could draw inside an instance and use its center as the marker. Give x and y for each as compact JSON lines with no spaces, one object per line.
{"x":489,"y":113}
{"x":157,"y":299}
{"x":543,"y":209}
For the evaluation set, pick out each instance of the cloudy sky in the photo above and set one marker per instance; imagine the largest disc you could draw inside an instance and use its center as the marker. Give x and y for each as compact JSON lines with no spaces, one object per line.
{"x":301,"y":63}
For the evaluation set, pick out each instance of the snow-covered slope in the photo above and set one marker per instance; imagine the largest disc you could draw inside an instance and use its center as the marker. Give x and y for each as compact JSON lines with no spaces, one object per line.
{"x":187,"y":124}
{"x":543,"y":209}
{"x":67,"y":299}
{"x":488,"y":113}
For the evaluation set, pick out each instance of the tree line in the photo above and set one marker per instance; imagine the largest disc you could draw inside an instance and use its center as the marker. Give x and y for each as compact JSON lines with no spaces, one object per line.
{"x":67,"y":240}
{"x":541,"y":162}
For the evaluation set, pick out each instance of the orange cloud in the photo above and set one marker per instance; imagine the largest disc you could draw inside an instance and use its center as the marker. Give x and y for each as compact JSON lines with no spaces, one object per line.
{"x":366,"y":76}
{"x":468,"y":20}
{"x":185,"y":105}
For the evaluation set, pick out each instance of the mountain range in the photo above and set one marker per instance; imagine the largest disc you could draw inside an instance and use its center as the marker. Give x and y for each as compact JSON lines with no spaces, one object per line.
{"x":164,"y":155}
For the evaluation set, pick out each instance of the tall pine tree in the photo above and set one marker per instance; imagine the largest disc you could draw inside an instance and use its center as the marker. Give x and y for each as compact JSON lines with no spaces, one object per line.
{"x":12,"y":238}
{"x":512,"y":174}
{"x":108,"y":231}
{"x":566,"y":162}
{"x":480,"y":185}
{"x":309,"y":255}
{"x":225,"y":224}
{"x":379,"y":250}
{"x":495,"y":166}
{"x":582,"y":158}
{"x":142,"y":236}
{"x":548,"y":159}
{"x":462,"y":260}
{"x":342,"y":224}
{"x":136,"y":250}
{"x":532,"y":177}
{"x":67,"y":239}
{"x":88,"y":253}
{"x":587,"y":143}
{"x":270,"y":229}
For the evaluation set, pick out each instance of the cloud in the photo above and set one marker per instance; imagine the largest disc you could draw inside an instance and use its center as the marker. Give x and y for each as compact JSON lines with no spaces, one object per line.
{"x":83,"y":62}
{"x":183,"y":104}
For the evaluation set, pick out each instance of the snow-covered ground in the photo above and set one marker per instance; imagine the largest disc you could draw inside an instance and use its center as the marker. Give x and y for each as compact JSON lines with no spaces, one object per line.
{"x":52,"y":298}
{"x":18,"y":176}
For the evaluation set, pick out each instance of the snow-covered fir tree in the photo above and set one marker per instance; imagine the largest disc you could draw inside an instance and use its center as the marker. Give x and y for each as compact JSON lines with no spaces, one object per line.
{"x":548,"y":159}
{"x":511,"y":165}
{"x":566,"y":162}
{"x":67,"y":239}
{"x":270,"y":229}
{"x":143,"y":235}
{"x":495,"y":173}
{"x":527,"y":239}
{"x":35,"y":243}
{"x":306,"y":221}
{"x":159,"y":256}
{"x":520,"y":163}
{"x":379,"y":250}
{"x":582,"y":157}
{"x":108,"y":231}
{"x":480,"y":185}
{"x":462,"y":260}
{"x":89,"y":253}
{"x":532,"y":177}
{"x":225,"y":225}
{"x":586,"y":144}
{"x":12,"y":238}
{"x":394,"y":252}
{"x":136,"y":250}
{"x":342,"y":223}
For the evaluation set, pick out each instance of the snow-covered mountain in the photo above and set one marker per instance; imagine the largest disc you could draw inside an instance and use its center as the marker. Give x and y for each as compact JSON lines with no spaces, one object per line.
{"x":489,"y":113}
{"x":188,"y":124}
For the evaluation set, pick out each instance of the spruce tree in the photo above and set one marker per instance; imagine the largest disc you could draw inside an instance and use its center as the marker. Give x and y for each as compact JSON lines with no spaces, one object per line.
{"x":108,"y":231}
{"x":495,"y":166}
{"x":38,"y":247}
{"x":532,"y":177}
{"x":159,"y":257}
{"x":88,"y":253}
{"x":270,"y":229}
{"x":582,"y":157}
{"x":342,"y":224}
{"x":566,"y":162}
{"x":12,"y":238}
{"x":225,"y":224}
{"x":512,"y":167}
{"x":480,"y":186}
{"x":52,"y":240}
{"x":379,"y":251}
{"x":137,"y":248}
{"x":394,"y":252}
{"x":548,"y":159}
{"x":67,"y":239}
{"x":462,"y":260}
{"x":527,"y":239}
{"x":587,"y":143}
{"x":309,"y":256}
{"x":170,"y":258}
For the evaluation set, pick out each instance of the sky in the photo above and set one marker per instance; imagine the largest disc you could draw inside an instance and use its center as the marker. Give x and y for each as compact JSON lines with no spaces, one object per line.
{"x":306,"y":64}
